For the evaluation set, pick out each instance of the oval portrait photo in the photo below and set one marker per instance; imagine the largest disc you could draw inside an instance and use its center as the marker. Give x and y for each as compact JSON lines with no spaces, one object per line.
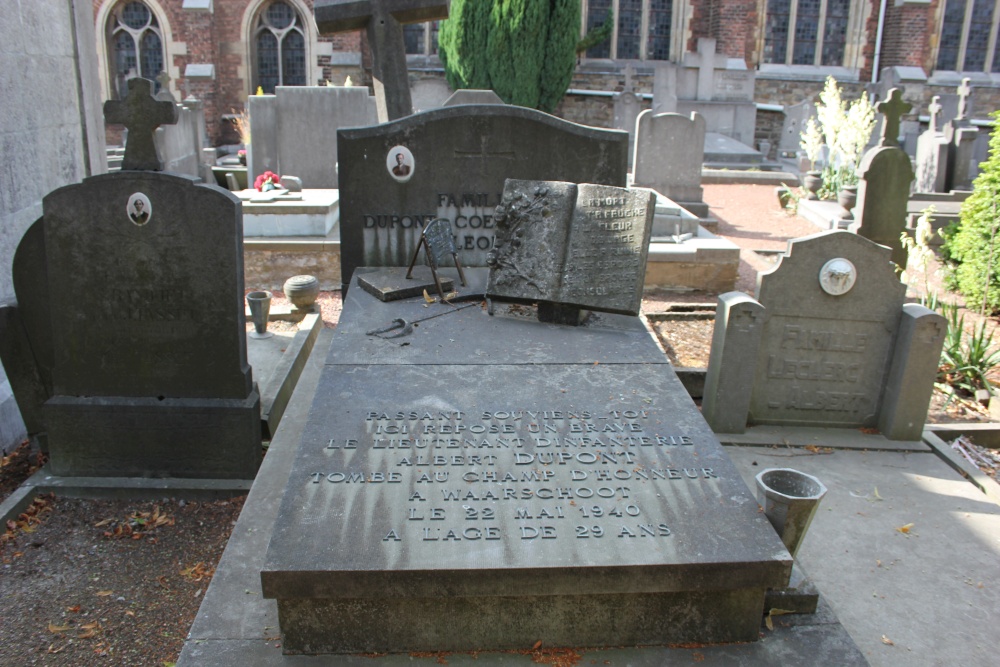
{"x":400,"y":163}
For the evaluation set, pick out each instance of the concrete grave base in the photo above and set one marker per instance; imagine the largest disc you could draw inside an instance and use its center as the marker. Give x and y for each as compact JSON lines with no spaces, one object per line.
{"x":191,"y":437}
{"x":481,"y":623}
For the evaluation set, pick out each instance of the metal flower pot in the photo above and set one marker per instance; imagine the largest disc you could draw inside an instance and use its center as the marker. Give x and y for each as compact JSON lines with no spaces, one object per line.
{"x":789,"y":499}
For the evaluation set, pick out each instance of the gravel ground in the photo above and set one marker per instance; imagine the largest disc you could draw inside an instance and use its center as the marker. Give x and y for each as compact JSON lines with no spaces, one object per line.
{"x":99,"y":582}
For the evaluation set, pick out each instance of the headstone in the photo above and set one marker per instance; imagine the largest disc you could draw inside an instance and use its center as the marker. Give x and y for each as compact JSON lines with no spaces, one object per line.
{"x":828,"y":342}
{"x":383,"y":20}
{"x":885,"y":175}
{"x":721,"y":89}
{"x":141,"y":115}
{"x":294,"y":131}
{"x":180,"y":144}
{"x":470,"y":96}
{"x":669,"y":152}
{"x":130,"y":293}
{"x":627,"y":106}
{"x":932,"y":154}
{"x":578,"y":245}
{"x":428,"y":94}
{"x":961,"y":138}
{"x":456,"y":161}
{"x":794,"y":124}
{"x":149,"y":372}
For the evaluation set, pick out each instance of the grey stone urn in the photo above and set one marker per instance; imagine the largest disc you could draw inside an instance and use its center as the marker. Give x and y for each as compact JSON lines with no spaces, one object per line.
{"x":302,"y":291}
{"x":260,"y":309}
{"x":813,"y":181}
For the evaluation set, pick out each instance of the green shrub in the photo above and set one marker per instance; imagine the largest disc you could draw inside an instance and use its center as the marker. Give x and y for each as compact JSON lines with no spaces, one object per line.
{"x":972,"y":246}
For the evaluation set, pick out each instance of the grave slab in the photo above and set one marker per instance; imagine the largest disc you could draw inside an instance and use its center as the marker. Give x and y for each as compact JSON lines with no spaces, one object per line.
{"x":425,"y":512}
{"x":234,"y":627}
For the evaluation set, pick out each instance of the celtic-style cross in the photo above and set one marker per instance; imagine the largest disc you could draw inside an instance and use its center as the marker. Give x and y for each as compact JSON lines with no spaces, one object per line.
{"x":892,"y":109}
{"x":384,"y":21}
{"x":934,"y":108}
{"x":141,"y":114}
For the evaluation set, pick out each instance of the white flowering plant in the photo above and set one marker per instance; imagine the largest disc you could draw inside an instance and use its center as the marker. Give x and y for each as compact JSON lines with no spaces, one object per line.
{"x":846,"y":129}
{"x":812,"y":141}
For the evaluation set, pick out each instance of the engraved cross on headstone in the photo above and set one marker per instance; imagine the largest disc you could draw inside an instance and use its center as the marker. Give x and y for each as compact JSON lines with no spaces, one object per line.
{"x":892,"y":108}
{"x":934,"y":108}
{"x":964,"y":92}
{"x":141,"y":114}
{"x":484,"y":152}
{"x":384,"y":21}
{"x":745,"y":321}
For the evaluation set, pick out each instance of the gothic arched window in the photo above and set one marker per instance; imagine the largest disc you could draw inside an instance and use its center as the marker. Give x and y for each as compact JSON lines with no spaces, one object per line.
{"x":135,"y":46}
{"x":279,"y":41}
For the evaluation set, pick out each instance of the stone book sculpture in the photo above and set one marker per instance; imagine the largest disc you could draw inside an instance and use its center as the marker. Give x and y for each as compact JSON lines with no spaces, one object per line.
{"x":583,"y":245}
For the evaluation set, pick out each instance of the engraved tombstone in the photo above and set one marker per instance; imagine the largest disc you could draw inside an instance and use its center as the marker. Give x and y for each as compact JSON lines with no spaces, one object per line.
{"x":455,"y":161}
{"x":827,"y":342}
{"x":932,"y":153}
{"x":668,"y":156}
{"x":130,"y":292}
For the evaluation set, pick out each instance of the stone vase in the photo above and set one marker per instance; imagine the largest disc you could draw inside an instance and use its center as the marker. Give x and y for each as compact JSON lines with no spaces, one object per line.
{"x":812,"y":182}
{"x":260,"y":308}
{"x":848,"y":199}
{"x":302,"y":291}
{"x":790,"y":499}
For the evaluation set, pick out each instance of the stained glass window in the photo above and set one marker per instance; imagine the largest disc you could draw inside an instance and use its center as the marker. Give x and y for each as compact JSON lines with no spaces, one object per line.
{"x":776,"y":31}
{"x":280,"y":46}
{"x":629,"y":29}
{"x":641,"y":30}
{"x":807,"y":32}
{"x":136,"y":46}
{"x":835,"y":31}
{"x":660,"y":23}
{"x":967,"y":28}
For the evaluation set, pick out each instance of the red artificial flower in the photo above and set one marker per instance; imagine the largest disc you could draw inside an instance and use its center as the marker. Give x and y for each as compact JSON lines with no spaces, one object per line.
{"x":267,"y":178}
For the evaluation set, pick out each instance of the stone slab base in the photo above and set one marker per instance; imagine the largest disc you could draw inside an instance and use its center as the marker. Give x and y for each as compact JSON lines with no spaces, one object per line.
{"x":517,"y":623}
{"x":146,"y":437}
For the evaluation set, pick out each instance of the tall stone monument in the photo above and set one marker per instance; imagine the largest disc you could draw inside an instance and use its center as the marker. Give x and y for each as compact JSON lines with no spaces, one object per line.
{"x":932,"y":153}
{"x":885,"y":175}
{"x":383,"y":20}
{"x":130,"y":300}
{"x":961,"y":138}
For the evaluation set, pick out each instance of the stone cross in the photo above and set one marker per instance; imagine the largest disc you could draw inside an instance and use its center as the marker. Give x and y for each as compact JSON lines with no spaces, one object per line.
{"x":141,"y":115}
{"x":706,"y":60}
{"x":934,"y":108}
{"x":629,"y":71}
{"x":892,"y":108}
{"x":384,"y":21}
{"x":964,"y":92}
{"x":164,"y":80}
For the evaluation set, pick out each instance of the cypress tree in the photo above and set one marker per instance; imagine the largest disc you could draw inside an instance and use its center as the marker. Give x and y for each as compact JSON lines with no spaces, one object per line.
{"x":525,"y":50}
{"x":462,"y":44}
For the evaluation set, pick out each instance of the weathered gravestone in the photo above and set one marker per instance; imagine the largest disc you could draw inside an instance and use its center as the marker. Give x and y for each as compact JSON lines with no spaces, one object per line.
{"x":294,"y":131}
{"x":669,"y":152}
{"x":827,"y":342}
{"x":130,"y":293}
{"x":796,"y":116}
{"x":961,"y":138}
{"x":932,"y":153}
{"x":496,"y":479}
{"x":885,"y":175}
{"x":626,"y":106}
{"x":452,"y":163}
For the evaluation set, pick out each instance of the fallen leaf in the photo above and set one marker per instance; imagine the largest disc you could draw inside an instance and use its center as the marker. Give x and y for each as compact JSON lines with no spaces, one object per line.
{"x":56,"y":629}
{"x":130,"y":613}
{"x":75,"y":609}
{"x":53,"y":650}
{"x":428,"y":298}
{"x":905,"y":529}
{"x":104,"y":594}
{"x":537,"y":645}
{"x":775,"y":612}
{"x":90,"y":626}
{"x":887,"y":641}
{"x":877,"y":496}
